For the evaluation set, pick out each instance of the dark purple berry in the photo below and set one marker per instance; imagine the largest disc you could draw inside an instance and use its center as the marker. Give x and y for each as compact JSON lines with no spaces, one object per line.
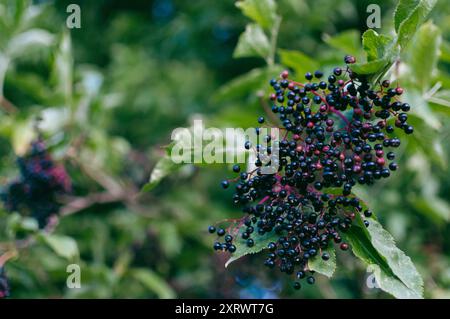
{"x":318,"y":74}
{"x":368,"y":213}
{"x":211,"y":229}
{"x":325,"y":256}
{"x":337,"y":71}
{"x":349,"y":59}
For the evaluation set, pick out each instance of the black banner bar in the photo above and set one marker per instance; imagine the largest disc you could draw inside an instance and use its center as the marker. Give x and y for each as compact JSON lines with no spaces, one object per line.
{"x":212,"y":308}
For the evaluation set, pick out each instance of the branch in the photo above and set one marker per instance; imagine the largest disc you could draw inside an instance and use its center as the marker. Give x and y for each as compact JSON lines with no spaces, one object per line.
{"x":99,"y":176}
{"x":80,"y":203}
{"x":7,"y":256}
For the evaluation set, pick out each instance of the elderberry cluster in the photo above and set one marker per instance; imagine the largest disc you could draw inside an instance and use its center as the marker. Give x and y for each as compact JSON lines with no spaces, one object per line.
{"x":4,"y":284}
{"x":40,"y":182}
{"x":337,"y":132}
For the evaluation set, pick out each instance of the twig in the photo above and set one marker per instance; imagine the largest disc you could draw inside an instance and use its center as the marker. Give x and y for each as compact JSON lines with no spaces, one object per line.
{"x":75,"y":146}
{"x":270,"y":60}
{"x":8,"y":106}
{"x":80,"y":203}
{"x":432,"y":91}
{"x":7,"y":256}
{"x":99,"y":176}
{"x":439,"y":101}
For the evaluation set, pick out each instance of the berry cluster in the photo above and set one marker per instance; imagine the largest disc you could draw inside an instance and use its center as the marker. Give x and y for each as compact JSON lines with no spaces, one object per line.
{"x":4,"y":284}
{"x":41,"y":181}
{"x":335,"y":135}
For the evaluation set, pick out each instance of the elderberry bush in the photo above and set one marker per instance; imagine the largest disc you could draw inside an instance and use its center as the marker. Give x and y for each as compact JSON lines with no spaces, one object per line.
{"x":35,"y":192}
{"x":338,"y":131}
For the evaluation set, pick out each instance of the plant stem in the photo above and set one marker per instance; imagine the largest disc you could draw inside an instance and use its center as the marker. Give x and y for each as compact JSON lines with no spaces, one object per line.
{"x":273,"y":42}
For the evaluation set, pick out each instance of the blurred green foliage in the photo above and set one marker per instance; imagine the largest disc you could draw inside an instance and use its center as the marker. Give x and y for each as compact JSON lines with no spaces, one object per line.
{"x":110,"y":95}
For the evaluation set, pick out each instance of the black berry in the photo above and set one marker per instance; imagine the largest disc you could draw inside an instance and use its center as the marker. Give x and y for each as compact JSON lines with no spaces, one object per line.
{"x":211,"y":229}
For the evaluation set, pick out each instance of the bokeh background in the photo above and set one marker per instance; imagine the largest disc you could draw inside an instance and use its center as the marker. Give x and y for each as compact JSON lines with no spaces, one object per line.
{"x":110,"y":94}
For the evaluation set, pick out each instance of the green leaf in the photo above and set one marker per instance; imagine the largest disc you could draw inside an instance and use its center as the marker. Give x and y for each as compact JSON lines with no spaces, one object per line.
{"x":263,"y":12}
{"x":433,"y":207}
{"x":424,"y":54}
{"x":164,"y":167}
{"x":295,"y":6}
{"x":250,"y":82}
{"x":394,"y":271}
{"x":347,"y":41}
{"x":426,"y":139}
{"x":240,"y":114}
{"x":420,"y":110}
{"x":63,"y":69}
{"x":16,"y":223}
{"x":22,"y":135}
{"x":184,"y":151}
{"x":29,"y":224}
{"x":445,"y":51}
{"x":261,"y":242}
{"x":13,"y":15}
{"x":407,"y":28}
{"x":23,"y":42}
{"x":397,"y":260}
{"x":403,"y":10}
{"x":372,"y":67}
{"x":392,"y":285}
{"x":381,"y":53}
{"x":154,"y":283}
{"x":252,"y":43}
{"x":376,"y":45}
{"x":441,"y":102}
{"x":298,"y":61}
{"x":169,"y":237}
{"x":364,"y":250}
{"x":63,"y":246}
{"x":327,"y":267}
